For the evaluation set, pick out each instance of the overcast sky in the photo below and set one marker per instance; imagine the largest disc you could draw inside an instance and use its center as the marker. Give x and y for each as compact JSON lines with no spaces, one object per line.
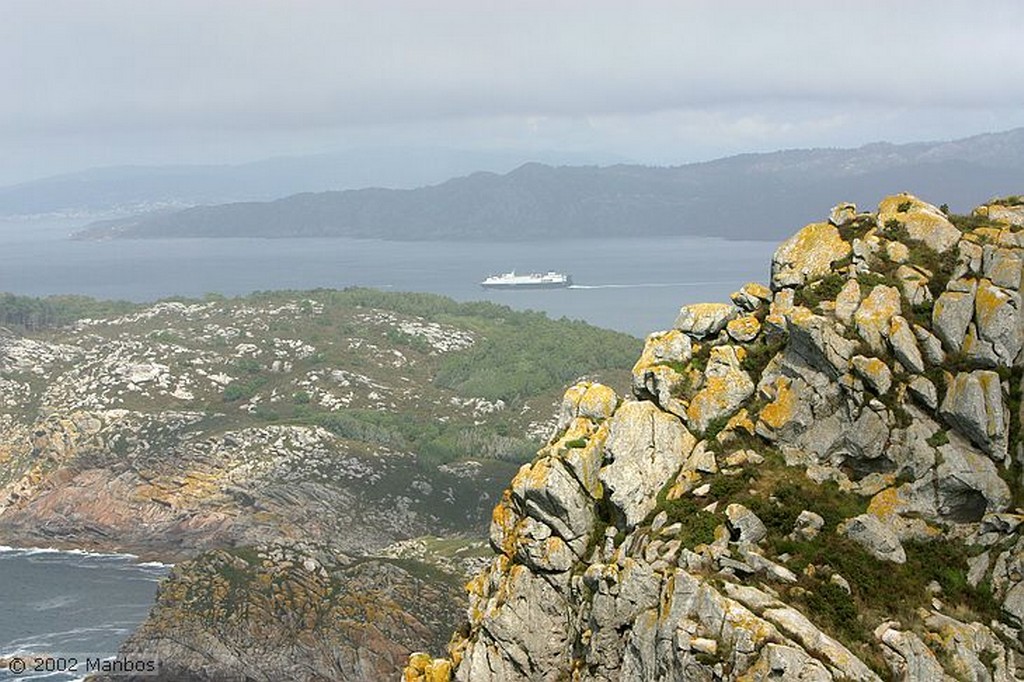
{"x":97,"y":82}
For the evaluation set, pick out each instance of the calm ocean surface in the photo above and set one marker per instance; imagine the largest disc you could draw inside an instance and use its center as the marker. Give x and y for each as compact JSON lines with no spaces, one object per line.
{"x":74,"y":603}
{"x":633,"y":285}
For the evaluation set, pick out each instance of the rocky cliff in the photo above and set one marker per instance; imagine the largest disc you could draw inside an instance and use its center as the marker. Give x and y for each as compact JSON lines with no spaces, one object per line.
{"x":820,"y":480}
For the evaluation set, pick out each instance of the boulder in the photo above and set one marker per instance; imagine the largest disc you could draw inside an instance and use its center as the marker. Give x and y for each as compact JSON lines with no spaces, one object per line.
{"x":1003,"y":267}
{"x":847,"y":301}
{"x":897,"y":252}
{"x":907,"y":656}
{"x":924,"y":222}
{"x":702,"y":320}
{"x":924,"y":391}
{"x":808,"y":255}
{"x":743,"y":329}
{"x":744,"y":525}
{"x":875,"y":537}
{"x":974,"y":406}
{"x":807,"y":526}
{"x":815,"y":339}
{"x":548,"y":493}
{"x":967,"y":483}
{"x":873,"y":372}
{"x":842,"y":214}
{"x":1011,"y":215}
{"x":657,"y":374}
{"x":913,"y":283}
{"x":997,"y":315}
{"x":951,"y":314}
{"x":931,"y":347}
{"x":751,"y":296}
{"x":786,"y":413}
{"x":904,"y":345}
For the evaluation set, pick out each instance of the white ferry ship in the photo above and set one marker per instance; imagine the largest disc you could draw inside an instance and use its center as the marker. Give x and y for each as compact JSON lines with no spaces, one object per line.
{"x":535,"y":280}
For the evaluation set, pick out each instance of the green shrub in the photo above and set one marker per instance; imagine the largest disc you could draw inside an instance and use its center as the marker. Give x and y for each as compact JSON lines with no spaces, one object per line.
{"x":824,"y":289}
{"x":829,"y":603}
{"x":969,"y":223}
{"x":870,"y":280}
{"x":698,"y":526}
{"x":759,"y":354}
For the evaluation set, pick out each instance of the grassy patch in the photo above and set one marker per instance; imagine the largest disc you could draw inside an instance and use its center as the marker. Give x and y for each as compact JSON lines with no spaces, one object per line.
{"x":759,"y":354}
{"x":856,"y":229}
{"x":824,"y":289}
{"x":1012,"y":200}
{"x":969,"y":223}
{"x":869,"y":280}
{"x":698,"y":526}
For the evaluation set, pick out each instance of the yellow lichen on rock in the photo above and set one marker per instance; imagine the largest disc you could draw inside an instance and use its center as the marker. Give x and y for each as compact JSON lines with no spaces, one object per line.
{"x":988,"y":300}
{"x":740,"y":421}
{"x":924,"y":222}
{"x":782,"y":408}
{"x":661,"y":347}
{"x":743,"y":329}
{"x":598,"y":402}
{"x":875,"y":313}
{"x":808,"y":255}
{"x":885,"y":503}
{"x":1010,"y":215}
{"x":897,"y":252}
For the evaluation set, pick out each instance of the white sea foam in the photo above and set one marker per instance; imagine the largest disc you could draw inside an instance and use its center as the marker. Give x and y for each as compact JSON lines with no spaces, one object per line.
{"x":32,"y":551}
{"x":131,"y":560}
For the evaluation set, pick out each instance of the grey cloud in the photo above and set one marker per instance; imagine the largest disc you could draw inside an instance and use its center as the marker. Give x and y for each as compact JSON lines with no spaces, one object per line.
{"x":117,"y":81}
{"x":275,"y":63}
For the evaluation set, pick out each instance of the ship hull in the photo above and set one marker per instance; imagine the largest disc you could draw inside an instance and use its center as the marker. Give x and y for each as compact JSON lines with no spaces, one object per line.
{"x":527,"y":285}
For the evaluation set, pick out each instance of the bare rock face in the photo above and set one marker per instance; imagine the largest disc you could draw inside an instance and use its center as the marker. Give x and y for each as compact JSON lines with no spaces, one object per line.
{"x":725,"y":388}
{"x":973,"y":405}
{"x":645,"y":448}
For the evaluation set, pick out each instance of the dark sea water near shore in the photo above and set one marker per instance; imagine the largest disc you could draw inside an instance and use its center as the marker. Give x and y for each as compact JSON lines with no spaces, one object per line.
{"x":77,"y":603}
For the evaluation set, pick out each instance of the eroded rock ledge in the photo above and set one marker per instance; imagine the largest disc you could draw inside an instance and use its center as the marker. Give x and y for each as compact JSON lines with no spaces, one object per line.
{"x":820,"y":480}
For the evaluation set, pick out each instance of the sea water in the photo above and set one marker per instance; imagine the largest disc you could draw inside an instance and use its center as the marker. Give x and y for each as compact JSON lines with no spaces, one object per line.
{"x":633,"y":285}
{"x":74,"y":604}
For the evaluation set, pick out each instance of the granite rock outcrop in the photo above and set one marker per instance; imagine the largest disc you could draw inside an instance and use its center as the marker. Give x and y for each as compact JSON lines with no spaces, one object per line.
{"x":832,"y":493}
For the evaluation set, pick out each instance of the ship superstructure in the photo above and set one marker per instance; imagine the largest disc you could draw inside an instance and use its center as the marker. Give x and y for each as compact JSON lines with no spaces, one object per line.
{"x":534,"y":280}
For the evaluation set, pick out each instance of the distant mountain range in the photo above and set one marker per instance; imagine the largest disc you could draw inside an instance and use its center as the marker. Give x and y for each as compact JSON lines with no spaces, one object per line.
{"x":126,"y":190}
{"x":752,"y":196}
